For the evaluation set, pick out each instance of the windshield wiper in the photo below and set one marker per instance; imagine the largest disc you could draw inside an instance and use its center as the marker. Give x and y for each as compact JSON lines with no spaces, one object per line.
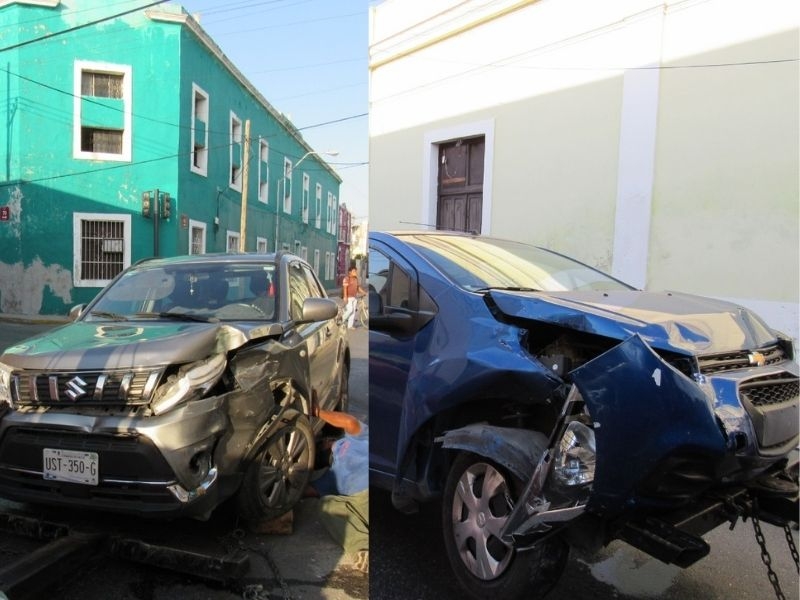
{"x":176,"y":316}
{"x":503,"y":288}
{"x":108,"y":315}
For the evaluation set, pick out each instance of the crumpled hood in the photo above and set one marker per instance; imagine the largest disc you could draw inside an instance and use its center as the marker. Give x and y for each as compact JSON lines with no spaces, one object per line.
{"x":667,"y":320}
{"x":103,"y":345}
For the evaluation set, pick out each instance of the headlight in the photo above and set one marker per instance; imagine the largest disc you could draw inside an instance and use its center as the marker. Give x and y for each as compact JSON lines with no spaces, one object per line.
{"x":5,"y":385}
{"x":574,"y":459}
{"x":194,"y":379}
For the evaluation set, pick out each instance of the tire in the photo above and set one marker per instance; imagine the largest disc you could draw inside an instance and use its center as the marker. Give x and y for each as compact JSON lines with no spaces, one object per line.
{"x":343,"y":402}
{"x":278,"y":475}
{"x":474,"y":509}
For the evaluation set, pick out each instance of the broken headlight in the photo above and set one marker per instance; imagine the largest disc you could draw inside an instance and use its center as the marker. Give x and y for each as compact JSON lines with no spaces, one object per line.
{"x":5,"y":385}
{"x":574,"y":456}
{"x":192,"y":380}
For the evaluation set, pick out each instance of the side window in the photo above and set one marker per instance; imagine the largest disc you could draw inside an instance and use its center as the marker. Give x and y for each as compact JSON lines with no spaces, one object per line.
{"x":298,"y":290}
{"x":314,"y":288}
{"x":392,"y":283}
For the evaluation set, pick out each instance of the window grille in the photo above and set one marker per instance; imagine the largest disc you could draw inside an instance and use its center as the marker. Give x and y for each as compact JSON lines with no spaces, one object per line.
{"x":198,"y":244}
{"x":101,"y":85}
{"x":102,"y":249}
{"x":94,"y":139}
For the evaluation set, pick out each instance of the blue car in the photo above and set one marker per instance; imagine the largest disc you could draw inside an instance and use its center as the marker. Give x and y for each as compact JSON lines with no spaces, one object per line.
{"x":548,"y":405}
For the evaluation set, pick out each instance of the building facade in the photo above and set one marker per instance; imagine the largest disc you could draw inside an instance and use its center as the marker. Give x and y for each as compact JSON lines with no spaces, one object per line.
{"x":135,"y":136}
{"x":656,"y":140}
{"x":345,"y":231}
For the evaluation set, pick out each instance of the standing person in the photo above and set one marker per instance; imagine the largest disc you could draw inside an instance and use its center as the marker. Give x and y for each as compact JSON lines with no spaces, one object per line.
{"x":350,"y":291}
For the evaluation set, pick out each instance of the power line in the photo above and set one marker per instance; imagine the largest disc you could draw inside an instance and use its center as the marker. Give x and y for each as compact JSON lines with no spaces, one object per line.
{"x":81,"y":26}
{"x":358,"y":116}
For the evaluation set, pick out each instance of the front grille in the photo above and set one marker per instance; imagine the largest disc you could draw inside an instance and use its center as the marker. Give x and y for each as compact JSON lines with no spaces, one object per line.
{"x":729,"y":361}
{"x":771,"y":390}
{"x":84,"y":388}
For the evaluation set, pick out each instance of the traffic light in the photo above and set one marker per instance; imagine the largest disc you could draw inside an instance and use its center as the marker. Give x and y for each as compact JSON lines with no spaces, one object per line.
{"x":146,"y":204}
{"x":166,"y":206}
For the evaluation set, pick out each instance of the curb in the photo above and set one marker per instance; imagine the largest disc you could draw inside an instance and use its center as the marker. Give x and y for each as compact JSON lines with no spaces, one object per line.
{"x":34,"y":319}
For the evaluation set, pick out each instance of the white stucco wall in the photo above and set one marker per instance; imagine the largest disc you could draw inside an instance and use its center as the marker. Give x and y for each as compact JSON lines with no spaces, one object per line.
{"x":656,"y":140}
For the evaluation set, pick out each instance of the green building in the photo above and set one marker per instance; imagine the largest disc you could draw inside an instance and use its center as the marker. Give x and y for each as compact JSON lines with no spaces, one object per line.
{"x":101,"y":111}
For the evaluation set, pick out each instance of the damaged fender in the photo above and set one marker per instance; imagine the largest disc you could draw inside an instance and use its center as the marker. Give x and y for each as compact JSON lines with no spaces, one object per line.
{"x":518,"y":450}
{"x":643,"y":411}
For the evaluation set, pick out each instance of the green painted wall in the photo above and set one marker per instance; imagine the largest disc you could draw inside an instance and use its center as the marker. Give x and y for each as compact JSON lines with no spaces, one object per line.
{"x":43,"y":185}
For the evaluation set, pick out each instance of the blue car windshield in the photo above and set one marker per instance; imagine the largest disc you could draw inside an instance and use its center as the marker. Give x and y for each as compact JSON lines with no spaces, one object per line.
{"x":478,"y":264}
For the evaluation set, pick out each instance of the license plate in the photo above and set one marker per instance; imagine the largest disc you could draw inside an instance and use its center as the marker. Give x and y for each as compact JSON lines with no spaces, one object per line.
{"x":73,"y":466}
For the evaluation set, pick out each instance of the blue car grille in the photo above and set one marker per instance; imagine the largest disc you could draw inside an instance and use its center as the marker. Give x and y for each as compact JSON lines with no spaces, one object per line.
{"x":729,"y":361}
{"x":107,"y":388}
{"x":771,"y":390}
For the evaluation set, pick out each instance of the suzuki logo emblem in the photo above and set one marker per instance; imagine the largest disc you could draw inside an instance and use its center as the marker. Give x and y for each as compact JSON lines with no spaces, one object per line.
{"x":75,"y":388}
{"x":757,"y":359}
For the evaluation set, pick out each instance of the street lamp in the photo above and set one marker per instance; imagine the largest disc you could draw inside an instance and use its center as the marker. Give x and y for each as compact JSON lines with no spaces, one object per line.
{"x":283,"y":199}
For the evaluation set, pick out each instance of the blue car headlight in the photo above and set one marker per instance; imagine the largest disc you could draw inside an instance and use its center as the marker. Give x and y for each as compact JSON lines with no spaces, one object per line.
{"x":574,"y":457}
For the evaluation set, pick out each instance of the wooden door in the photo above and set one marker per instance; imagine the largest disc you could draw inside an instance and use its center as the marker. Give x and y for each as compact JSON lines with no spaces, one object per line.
{"x":460,"y":190}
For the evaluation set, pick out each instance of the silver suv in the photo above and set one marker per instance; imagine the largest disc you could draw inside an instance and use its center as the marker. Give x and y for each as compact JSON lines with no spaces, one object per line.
{"x":186,"y":381}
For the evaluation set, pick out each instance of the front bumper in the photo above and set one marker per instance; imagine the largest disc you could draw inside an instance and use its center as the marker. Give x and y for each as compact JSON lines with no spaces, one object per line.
{"x":157,"y":466}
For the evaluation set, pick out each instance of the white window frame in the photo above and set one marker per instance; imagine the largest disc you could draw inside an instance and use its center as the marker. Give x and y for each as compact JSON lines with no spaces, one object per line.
{"x":262,"y":247}
{"x":230,"y":236}
{"x":77,"y":245}
{"x":329,"y":212}
{"x":235,"y":125}
{"x":127,"y":99}
{"x":202,"y":169}
{"x":263,"y":169}
{"x":304,"y":253}
{"x":316,"y":262}
{"x":287,"y":185}
{"x":197,"y":225}
{"x":318,"y":207}
{"x":306,"y":196}
{"x":335,"y":217}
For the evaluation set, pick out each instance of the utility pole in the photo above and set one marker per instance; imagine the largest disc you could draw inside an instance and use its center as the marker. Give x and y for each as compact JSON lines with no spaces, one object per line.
{"x":245,"y":177}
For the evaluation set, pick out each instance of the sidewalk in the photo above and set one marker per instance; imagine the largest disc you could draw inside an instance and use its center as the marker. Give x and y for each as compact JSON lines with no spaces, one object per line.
{"x":34,"y":319}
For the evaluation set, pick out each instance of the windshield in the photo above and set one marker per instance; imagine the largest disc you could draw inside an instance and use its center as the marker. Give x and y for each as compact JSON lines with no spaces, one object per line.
{"x":189,"y":292}
{"x":479,"y":264}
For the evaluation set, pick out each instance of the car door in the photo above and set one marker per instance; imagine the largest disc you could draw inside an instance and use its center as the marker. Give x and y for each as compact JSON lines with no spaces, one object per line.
{"x":394,"y":322}
{"x":327,"y":361}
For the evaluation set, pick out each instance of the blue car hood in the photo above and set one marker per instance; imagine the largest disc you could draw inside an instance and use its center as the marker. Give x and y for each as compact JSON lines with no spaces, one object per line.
{"x":668,"y":321}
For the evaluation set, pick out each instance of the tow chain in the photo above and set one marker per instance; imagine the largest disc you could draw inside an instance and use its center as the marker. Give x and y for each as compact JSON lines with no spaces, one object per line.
{"x":765,"y":556}
{"x":792,"y":548}
{"x":235,"y":540}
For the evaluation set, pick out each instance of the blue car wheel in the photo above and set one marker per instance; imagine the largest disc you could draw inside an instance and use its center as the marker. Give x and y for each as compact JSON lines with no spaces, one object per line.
{"x":477,"y":501}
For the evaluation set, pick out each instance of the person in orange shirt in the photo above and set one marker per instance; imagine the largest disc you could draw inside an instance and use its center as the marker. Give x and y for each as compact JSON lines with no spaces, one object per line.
{"x":350,"y":292}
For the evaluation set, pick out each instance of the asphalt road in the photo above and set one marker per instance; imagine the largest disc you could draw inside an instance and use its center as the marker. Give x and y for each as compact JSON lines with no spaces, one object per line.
{"x":306,"y":564}
{"x":409,"y":562}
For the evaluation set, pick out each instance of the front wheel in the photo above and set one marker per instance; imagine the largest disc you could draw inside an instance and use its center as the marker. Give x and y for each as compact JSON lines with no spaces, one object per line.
{"x":278,"y":475}
{"x":478,"y":499}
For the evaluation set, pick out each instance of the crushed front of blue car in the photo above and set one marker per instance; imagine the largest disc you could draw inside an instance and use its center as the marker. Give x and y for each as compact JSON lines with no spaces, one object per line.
{"x":675,"y":414}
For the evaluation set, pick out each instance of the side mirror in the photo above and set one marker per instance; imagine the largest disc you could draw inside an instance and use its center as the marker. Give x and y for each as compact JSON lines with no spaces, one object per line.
{"x":375,"y":304}
{"x":393,"y":322}
{"x":76,"y":311}
{"x":318,"y":309}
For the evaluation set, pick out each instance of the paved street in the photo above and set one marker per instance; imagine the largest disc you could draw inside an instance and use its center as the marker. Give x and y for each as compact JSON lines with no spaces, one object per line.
{"x":307,"y":564}
{"x":409,"y":561}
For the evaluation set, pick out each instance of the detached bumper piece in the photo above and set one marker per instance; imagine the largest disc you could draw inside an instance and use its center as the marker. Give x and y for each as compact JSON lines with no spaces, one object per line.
{"x":674,"y":538}
{"x":664,"y":542}
{"x":66,"y":550}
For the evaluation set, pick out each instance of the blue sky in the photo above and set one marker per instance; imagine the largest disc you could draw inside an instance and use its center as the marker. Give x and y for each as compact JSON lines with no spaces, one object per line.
{"x":309,"y":60}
